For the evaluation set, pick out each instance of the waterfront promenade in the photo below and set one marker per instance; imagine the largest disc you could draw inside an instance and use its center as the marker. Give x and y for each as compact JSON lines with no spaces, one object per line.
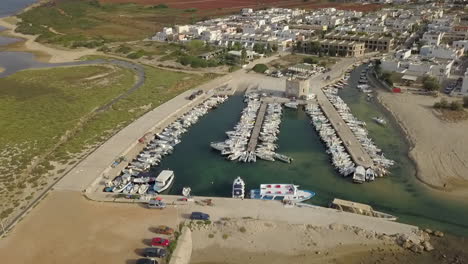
{"x":258,"y":126}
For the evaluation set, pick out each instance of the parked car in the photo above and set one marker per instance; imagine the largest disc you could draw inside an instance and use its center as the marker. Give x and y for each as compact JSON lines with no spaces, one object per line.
{"x":146,"y":261}
{"x":199,"y":216}
{"x":156,"y":204}
{"x":162,"y":229}
{"x":160,"y":242}
{"x":155,"y":252}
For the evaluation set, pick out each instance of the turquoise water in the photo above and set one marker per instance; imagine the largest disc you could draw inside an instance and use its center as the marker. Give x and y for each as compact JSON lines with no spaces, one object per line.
{"x":209,"y":174}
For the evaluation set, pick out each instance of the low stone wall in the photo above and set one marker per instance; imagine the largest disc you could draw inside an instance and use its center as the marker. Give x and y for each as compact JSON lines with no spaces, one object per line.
{"x":183,"y":251}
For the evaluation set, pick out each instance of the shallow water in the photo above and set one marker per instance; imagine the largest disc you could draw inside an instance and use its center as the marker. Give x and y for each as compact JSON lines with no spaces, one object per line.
{"x":209,"y":174}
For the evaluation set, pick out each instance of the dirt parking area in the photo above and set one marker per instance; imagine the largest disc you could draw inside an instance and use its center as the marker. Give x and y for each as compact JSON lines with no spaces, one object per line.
{"x":67,"y":228}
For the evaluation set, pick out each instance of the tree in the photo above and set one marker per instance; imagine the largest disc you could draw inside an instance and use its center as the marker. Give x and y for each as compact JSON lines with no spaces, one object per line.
{"x":259,"y":48}
{"x":243,"y":55}
{"x":260,"y":68}
{"x":456,"y":106}
{"x":430,"y":83}
{"x":236,"y":46}
{"x":444,"y":103}
{"x":387,"y":77}
{"x":274,"y":48}
{"x":465,"y":101}
{"x":315,"y":47}
{"x":332,"y":51}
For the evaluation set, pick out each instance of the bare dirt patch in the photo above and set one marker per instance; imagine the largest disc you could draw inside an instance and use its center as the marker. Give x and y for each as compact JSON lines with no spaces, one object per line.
{"x":67,"y":228}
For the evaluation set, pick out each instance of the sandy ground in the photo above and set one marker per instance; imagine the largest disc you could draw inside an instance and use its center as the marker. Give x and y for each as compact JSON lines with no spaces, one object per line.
{"x":440,"y":148}
{"x":67,"y":228}
{"x":42,"y":52}
{"x":273,"y":242}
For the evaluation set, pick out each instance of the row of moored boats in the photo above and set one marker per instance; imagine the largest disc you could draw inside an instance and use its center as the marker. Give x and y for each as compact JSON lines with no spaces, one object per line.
{"x":135,"y":178}
{"x":236,"y":146}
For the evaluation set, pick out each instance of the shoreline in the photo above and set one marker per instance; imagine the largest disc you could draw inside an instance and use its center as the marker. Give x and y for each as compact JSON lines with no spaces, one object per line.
{"x":41,"y":52}
{"x":454,"y":193}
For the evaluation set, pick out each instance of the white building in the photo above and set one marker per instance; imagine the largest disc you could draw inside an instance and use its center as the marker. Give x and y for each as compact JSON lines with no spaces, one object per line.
{"x":403,"y":54}
{"x":414,"y":66}
{"x":458,"y":44}
{"x":440,"y":52}
{"x":432,"y":38}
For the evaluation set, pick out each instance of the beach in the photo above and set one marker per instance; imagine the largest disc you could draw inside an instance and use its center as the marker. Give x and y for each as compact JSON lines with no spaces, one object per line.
{"x":438,"y":147}
{"x":42,"y":52}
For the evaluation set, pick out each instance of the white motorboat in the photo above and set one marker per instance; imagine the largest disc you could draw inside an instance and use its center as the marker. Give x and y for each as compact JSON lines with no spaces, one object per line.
{"x":379,"y":120}
{"x":370,"y":174}
{"x":238,"y":188}
{"x":292,"y":105}
{"x":163,"y":181}
{"x":186,"y":191}
{"x":359,"y":175}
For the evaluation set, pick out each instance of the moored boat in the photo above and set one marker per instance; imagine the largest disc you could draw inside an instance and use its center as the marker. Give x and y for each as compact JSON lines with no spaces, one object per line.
{"x":238,"y":188}
{"x":284,"y":192}
{"x":163,"y":181}
{"x":359,"y":175}
{"x":359,"y":208}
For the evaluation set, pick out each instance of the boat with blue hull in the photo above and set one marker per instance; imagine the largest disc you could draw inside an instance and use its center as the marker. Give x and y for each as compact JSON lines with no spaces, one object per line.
{"x":282,"y":192}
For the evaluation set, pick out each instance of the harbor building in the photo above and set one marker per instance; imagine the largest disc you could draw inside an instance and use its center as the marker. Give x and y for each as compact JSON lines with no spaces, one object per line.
{"x":297,"y":87}
{"x":371,"y":42}
{"x":336,"y":48}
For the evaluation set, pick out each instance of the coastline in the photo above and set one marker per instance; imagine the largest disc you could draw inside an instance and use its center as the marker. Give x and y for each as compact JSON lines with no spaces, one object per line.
{"x":441,"y":184}
{"x":42,"y":52}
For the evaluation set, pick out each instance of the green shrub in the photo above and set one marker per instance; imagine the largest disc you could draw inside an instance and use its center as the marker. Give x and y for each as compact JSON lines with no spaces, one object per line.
{"x":160,"y":6}
{"x":260,"y":68}
{"x":210,"y":235}
{"x":242,"y":229}
{"x":225,"y":236}
{"x":310,"y":60}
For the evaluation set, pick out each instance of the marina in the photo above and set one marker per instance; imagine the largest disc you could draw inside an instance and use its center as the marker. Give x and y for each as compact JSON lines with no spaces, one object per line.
{"x":195,"y":165}
{"x":136,"y":177}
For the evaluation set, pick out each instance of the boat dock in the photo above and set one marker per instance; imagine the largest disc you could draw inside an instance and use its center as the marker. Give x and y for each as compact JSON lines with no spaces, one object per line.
{"x":352,"y":145}
{"x":258,"y":126}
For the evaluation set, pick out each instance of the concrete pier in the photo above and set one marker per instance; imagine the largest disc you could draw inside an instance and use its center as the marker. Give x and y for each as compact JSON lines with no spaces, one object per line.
{"x":258,"y":126}
{"x":353,"y":146}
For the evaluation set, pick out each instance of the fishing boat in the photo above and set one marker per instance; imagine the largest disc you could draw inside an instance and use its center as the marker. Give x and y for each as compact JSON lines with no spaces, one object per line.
{"x":359,"y":208}
{"x":359,"y":175}
{"x":284,"y":192}
{"x":238,"y":188}
{"x":163,"y":181}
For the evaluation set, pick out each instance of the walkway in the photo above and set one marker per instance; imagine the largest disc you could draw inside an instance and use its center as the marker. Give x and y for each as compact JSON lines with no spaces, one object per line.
{"x":258,"y":126}
{"x":354,"y":147}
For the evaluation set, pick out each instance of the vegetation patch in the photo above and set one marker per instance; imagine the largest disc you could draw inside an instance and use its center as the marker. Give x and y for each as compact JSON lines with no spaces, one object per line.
{"x":260,"y":68}
{"x":39,"y":107}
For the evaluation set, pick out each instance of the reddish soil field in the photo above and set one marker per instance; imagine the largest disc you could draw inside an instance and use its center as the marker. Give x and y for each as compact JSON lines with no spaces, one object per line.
{"x":237,"y":4}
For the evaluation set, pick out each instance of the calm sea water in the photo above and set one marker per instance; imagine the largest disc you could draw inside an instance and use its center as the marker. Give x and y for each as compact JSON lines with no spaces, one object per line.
{"x":10,"y":7}
{"x":209,"y":174}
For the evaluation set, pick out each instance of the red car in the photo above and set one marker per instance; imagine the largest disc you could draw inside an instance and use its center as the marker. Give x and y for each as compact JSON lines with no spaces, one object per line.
{"x":160,"y":242}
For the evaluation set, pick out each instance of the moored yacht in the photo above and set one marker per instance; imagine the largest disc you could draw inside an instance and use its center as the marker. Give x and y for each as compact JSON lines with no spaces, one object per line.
{"x":163,"y":181}
{"x":238,"y":188}
{"x":359,"y":175}
{"x":284,"y":192}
